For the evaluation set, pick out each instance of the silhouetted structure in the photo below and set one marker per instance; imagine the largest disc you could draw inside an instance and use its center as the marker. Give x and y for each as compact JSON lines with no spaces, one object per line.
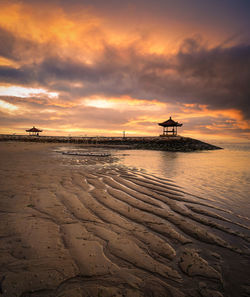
{"x":34,"y":131}
{"x":170,"y":124}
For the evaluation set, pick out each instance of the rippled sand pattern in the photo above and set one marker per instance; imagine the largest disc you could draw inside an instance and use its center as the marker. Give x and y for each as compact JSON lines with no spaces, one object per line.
{"x":88,"y":227}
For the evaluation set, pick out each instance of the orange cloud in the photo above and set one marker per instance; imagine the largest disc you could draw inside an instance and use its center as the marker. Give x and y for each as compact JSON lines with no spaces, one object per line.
{"x":46,"y":22}
{"x":7,"y":62}
{"x":75,"y":33}
{"x":124,"y":103}
{"x":194,"y":110}
{"x":233,"y":118}
{"x":81,"y":32}
{"x":82,"y":68}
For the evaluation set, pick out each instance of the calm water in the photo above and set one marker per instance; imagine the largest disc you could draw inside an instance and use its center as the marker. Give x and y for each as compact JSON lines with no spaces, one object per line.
{"x":222,"y":175}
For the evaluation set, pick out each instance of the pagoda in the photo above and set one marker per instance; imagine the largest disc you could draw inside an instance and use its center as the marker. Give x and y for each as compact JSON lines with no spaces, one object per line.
{"x":170,"y":127}
{"x":34,"y":131}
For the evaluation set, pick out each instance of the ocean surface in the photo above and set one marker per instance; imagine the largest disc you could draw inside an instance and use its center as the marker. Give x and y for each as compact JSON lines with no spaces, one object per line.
{"x":221,"y":175}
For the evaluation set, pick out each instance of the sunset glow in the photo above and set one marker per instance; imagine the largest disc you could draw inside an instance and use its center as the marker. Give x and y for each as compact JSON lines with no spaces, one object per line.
{"x":7,"y":106}
{"x":25,"y":92}
{"x":102,"y":67}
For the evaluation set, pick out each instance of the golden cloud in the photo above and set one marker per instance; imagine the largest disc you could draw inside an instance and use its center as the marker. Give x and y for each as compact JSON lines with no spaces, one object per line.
{"x":107,"y":75}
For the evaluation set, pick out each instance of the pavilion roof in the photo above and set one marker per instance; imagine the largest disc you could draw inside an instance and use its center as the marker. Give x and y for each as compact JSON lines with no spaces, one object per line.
{"x":34,"y":130}
{"x":170,"y":123}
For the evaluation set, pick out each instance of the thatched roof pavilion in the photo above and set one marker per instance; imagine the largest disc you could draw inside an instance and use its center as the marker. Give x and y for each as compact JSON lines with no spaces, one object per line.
{"x":34,"y":131}
{"x":170,"y":124}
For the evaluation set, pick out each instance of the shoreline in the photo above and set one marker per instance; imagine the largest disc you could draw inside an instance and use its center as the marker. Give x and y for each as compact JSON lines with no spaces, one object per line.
{"x":174,"y":144}
{"x":70,"y":229}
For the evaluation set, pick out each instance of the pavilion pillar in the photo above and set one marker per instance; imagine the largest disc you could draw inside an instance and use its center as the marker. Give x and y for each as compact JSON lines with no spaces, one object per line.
{"x":172,"y":125}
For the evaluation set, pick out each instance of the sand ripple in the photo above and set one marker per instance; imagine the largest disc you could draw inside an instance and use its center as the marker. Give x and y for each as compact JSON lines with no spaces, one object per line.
{"x":105,"y":230}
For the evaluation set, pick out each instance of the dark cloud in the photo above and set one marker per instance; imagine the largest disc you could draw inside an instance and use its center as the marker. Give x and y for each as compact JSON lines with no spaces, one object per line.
{"x":18,"y":76}
{"x":217,"y":77}
{"x":19,"y":49}
{"x":41,"y":52}
{"x":213,"y":14}
{"x":7,"y":41}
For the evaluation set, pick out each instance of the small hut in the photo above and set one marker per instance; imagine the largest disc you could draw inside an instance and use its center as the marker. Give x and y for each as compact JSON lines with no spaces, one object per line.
{"x":170,"y":127}
{"x":34,"y":131}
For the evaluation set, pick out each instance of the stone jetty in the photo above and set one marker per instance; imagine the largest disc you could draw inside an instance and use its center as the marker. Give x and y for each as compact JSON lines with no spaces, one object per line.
{"x":174,"y":144}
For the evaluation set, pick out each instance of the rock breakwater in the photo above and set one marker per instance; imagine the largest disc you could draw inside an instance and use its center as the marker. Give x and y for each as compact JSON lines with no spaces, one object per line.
{"x":175,"y":144}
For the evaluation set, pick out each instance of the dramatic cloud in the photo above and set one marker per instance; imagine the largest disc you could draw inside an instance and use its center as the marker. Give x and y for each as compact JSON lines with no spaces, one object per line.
{"x":92,"y":74}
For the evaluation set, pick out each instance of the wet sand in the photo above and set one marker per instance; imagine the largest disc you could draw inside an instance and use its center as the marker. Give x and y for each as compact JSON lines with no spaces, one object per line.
{"x":85,"y":226}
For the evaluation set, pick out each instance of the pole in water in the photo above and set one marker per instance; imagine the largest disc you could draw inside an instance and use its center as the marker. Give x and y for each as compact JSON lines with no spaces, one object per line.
{"x":123,"y":134}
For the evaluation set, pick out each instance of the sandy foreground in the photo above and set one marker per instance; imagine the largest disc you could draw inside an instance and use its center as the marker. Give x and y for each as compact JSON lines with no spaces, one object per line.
{"x":76,"y":226}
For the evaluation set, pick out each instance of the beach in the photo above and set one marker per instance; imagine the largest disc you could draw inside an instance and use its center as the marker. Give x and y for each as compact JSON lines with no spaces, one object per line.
{"x":88,"y":226}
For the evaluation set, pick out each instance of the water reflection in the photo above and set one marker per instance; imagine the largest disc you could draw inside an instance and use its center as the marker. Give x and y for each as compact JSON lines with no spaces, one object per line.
{"x":222,"y":175}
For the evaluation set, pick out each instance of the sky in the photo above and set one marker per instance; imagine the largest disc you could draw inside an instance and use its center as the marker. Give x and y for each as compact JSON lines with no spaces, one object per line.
{"x":98,"y":68}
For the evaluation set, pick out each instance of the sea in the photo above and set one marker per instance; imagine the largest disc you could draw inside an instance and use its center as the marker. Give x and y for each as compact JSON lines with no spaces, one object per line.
{"x":222,"y":176}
